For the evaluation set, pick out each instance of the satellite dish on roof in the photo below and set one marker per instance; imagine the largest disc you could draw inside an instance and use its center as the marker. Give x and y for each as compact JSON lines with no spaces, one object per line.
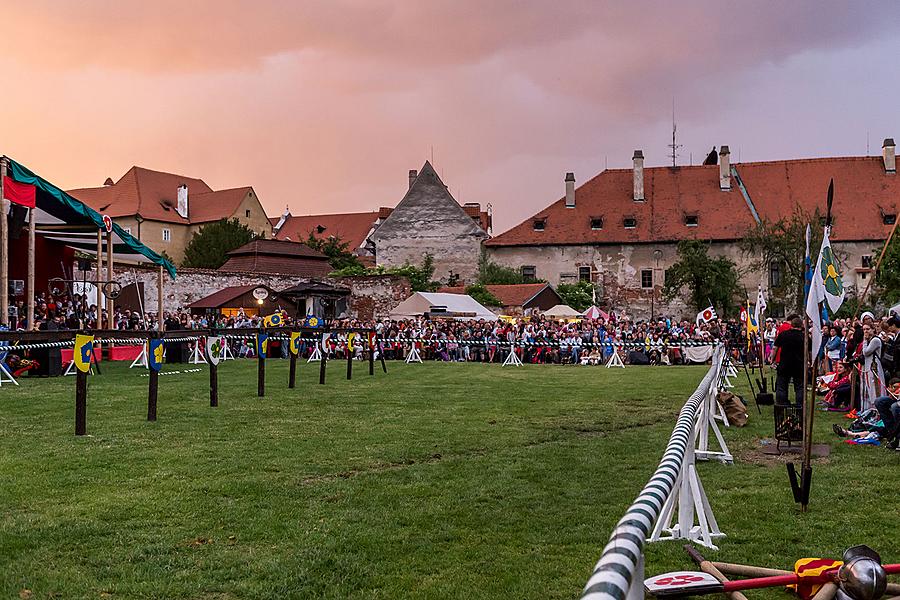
{"x":260,"y":293}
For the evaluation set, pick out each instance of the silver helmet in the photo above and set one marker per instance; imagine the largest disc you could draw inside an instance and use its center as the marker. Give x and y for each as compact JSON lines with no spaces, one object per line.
{"x":862,"y":577}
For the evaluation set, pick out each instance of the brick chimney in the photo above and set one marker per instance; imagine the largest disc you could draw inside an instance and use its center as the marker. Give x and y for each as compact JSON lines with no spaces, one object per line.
{"x":888,"y":150}
{"x":182,"y":206}
{"x":570,"y":190}
{"x":412,"y":176}
{"x":724,"y":169}
{"x":638,"y":159}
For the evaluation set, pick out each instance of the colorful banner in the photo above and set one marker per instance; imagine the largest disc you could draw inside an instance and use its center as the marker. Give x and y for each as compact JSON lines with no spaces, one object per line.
{"x":262,"y":344}
{"x":295,"y":343}
{"x":273,"y":320}
{"x":22,"y":194}
{"x":312,"y":321}
{"x":84,"y":347}
{"x":155,"y":354}
{"x":371,"y":340}
{"x":215,"y":345}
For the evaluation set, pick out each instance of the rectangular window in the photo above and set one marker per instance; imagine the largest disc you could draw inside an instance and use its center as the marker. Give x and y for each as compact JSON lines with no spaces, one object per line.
{"x":630,"y":222}
{"x":867,"y":261}
{"x":646,"y":278}
{"x":889,"y":219}
{"x":584,"y":273}
{"x":596,"y":223}
{"x":167,"y":235}
{"x":247,"y":213}
{"x":691,"y":220}
{"x":529,"y":273}
{"x":539,"y":224}
{"x":775,"y":274}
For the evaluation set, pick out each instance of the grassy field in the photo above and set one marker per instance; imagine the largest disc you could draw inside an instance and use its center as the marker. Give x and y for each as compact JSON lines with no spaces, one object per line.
{"x":433,"y":481}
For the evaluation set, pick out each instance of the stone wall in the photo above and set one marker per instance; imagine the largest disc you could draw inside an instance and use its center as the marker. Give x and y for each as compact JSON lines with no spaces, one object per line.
{"x":455,"y":253}
{"x":370,"y":296}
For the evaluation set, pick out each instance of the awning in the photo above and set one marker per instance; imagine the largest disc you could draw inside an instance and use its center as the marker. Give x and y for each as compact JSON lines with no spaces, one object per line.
{"x":54,"y":206}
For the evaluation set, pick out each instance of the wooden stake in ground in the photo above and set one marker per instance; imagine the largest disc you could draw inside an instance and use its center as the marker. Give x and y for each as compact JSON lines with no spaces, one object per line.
{"x":324,"y":353}
{"x":154,"y":364}
{"x":80,"y":402}
{"x":349,"y":358}
{"x":292,"y":371}
{"x":261,"y":347}
{"x":212,"y":358}
{"x":371,"y":353}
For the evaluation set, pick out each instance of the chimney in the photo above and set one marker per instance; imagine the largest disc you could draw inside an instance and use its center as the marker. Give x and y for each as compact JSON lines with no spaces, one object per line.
{"x":412,"y":176}
{"x":182,"y":207}
{"x":638,"y":159}
{"x":570,"y":190}
{"x":888,"y":153}
{"x":724,"y":169}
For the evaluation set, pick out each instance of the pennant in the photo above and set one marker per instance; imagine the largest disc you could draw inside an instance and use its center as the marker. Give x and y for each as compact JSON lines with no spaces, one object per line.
{"x":706,"y":315}
{"x":350,"y":338}
{"x":84,"y":347}
{"x":295,"y":343}
{"x":215,"y":345}
{"x":743,"y":315}
{"x":760,"y":305}
{"x":155,"y":351}
{"x":273,"y":320}
{"x":262,"y":344}
{"x":371,"y":340}
{"x":827,"y":269}
{"x":23,"y":194}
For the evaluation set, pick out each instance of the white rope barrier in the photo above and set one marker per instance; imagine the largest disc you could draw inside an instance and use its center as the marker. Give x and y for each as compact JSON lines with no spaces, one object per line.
{"x":619,"y":573}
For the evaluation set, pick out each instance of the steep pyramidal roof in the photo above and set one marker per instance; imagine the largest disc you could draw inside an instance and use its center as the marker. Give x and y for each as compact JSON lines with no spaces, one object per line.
{"x":428,"y":207}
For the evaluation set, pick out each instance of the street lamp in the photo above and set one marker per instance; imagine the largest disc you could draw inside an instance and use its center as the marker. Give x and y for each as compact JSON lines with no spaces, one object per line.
{"x":657,"y":253}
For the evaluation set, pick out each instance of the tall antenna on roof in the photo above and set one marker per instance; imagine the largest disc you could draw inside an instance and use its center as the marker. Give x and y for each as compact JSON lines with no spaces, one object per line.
{"x":674,"y":146}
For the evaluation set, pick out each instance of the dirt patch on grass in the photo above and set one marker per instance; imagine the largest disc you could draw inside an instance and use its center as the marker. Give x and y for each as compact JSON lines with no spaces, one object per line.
{"x":755,"y":454}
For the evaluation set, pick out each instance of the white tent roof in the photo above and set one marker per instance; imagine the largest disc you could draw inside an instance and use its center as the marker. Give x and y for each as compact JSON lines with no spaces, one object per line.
{"x":562,"y":310}
{"x":459,"y":306}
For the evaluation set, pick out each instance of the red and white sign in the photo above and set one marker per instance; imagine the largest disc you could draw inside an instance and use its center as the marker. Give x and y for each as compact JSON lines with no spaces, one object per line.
{"x":107,"y":223}
{"x":682,"y":583}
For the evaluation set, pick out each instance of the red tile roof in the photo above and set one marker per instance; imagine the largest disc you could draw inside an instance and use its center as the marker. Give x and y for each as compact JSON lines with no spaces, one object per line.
{"x":223,"y":296}
{"x":282,"y":257}
{"x":154,"y":195}
{"x":673,"y":194}
{"x":508,"y":295}
{"x":349,"y":227}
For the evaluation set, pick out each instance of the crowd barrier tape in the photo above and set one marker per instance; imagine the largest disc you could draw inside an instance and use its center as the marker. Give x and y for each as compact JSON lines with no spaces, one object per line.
{"x":619,"y":573}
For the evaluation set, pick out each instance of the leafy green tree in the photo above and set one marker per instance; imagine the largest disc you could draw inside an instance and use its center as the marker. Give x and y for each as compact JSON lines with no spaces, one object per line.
{"x":579,"y":296}
{"x":419,"y":276}
{"x":887,"y":279}
{"x":700,"y":279}
{"x":490,"y":273}
{"x":208,"y":248}
{"x":338,"y":251}
{"x":482,"y":295}
{"x":783,"y":243}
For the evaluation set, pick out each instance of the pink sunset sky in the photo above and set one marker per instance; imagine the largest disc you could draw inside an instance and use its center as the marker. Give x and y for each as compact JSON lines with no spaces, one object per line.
{"x":325,"y":106}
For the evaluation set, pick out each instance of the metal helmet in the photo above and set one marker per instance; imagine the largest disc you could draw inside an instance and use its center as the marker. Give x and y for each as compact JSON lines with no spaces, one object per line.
{"x":862,"y":577}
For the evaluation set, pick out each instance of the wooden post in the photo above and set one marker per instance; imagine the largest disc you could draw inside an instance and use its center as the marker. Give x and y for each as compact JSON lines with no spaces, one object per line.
{"x":349,"y":360}
{"x":110,"y":304}
{"x":80,"y":402}
{"x":99,"y":278}
{"x":159,"y":301}
{"x":213,"y":375}
{"x":371,"y":356}
{"x":292,"y":372}
{"x":4,"y":251}
{"x":380,"y":347}
{"x":261,"y":375}
{"x":30,"y":312}
{"x":322,"y":361}
{"x":152,"y":393}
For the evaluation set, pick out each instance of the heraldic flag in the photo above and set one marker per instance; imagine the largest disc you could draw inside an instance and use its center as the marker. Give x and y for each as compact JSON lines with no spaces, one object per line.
{"x":84,"y":346}
{"x":262,"y":344}
{"x":295,"y":343}
{"x":23,"y":194}
{"x":273,"y":320}
{"x":827,"y":286}
{"x":155,"y":354}
{"x":706,"y":315}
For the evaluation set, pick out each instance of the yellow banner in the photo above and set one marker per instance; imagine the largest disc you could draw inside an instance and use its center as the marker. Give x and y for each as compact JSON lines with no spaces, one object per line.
{"x":84,"y":346}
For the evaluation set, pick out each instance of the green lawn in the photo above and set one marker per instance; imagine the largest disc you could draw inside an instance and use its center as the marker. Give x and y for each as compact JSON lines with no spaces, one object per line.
{"x":433,"y":481}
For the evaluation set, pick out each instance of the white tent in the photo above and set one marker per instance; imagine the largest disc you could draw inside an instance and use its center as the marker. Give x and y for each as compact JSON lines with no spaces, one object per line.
{"x":562,"y":311}
{"x":458,"y":306}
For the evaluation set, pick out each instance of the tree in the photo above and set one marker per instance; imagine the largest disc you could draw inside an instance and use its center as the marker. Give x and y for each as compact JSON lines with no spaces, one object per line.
{"x":419,"y":276}
{"x":490,"y":273}
{"x":579,"y":296}
{"x":888,"y":275}
{"x":780,"y":247}
{"x":337,"y":251}
{"x":482,"y":295}
{"x":209,"y":247}
{"x":701,"y":279}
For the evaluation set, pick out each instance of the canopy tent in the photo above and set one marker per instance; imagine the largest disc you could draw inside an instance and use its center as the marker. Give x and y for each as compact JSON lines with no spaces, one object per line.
{"x":562,"y":311}
{"x":64,"y":218}
{"x":457,"y":306}
{"x":595,"y":313}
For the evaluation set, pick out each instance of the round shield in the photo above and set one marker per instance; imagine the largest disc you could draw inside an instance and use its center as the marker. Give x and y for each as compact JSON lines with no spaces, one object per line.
{"x":112,"y":289}
{"x":57,"y":287}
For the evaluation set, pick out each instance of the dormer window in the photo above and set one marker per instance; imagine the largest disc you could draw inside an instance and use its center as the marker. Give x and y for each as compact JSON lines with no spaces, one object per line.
{"x":539,"y":224}
{"x":596,"y":223}
{"x":889,"y":218}
{"x":630,"y":222}
{"x":691,"y":220}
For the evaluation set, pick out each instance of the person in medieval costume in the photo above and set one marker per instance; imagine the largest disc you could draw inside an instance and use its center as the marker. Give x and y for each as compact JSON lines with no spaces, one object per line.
{"x":872,"y":374}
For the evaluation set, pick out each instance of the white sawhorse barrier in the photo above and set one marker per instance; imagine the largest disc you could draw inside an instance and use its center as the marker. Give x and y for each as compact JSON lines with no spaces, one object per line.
{"x":6,"y":376}
{"x":615,"y":360}
{"x":413,"y":355}
{"x":512,"y":360}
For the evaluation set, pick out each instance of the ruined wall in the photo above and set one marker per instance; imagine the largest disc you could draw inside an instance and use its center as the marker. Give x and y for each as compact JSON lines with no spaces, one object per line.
{"x":370,"y":296}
